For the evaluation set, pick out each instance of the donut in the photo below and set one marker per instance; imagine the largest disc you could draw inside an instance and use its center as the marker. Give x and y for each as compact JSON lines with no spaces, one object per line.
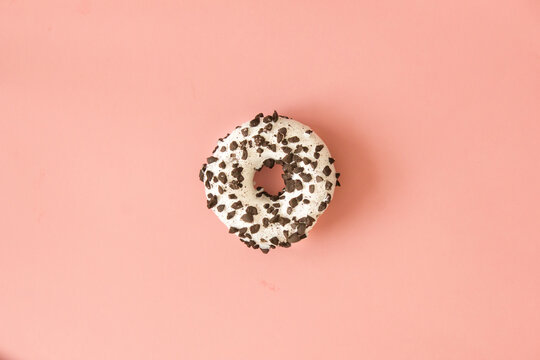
{"x":262,"y":220}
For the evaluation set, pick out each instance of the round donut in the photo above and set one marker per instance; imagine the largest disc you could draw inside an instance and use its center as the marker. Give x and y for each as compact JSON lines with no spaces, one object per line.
{"x":261,"y":220}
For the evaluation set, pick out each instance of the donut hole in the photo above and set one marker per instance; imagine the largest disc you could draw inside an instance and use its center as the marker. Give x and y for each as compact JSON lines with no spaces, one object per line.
{"x":270,"y":179}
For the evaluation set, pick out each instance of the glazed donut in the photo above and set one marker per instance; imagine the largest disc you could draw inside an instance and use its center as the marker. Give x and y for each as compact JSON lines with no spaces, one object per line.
{"x":261,"y":220}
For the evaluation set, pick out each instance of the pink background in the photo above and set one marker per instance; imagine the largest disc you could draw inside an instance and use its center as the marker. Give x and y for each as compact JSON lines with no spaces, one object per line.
{"x":430,"y":249}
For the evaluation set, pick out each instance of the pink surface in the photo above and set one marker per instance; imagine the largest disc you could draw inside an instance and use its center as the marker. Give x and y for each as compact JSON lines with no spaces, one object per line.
{"x":430,"y":249}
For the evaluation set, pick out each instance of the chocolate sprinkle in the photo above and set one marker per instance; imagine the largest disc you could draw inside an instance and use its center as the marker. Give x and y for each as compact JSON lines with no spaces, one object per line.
{"x":327,"y":171}
{"x":237,"y":205}
{"x":294,"y":139}
{"x":222,"y":177}
{"x":294,"y":238}
{"x":247,"y":217}
{"x":269,"y":163}
{"x":212,"y":201}
{"x":201,"y":175}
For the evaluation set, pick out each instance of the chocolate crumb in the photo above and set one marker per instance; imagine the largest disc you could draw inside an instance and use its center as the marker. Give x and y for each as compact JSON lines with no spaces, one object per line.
{"x":319,"y":148}
{"x":244,"y":154}
{"x":201,"y":175}
{"x":338,"y":183}
{"x":312,"y":188}
{"x":252,"y":210}
{"x":254,"y":122}
{"x":275,"y":116}
{"x":245,"y":131}
{"x":265,"y":251}
{"x":222,"y":177}
{"x":212,"y":201}
{"x":331,"y":160}
{"x":211,"y":159}
{"x":318,"y":178}
{"x":293,"y":202}
{"x":289,"y":185}
{"x":284,"y":220}
{"x":254,"y":228}
{"x":294,"y":139}
{"x":274,"y":240}
{"x":223,"y":148}
{"x":220,"y":208}
{"x":286,"y":149}
{"x":298,"y":185}
{"x":247,"y":217}
{"x":316,"y":155}
{"x":288,"y":158}
{"x":294,"y":238}
{"x":327,"y":171}
{"x":306,"y":177}
{"x":269,"y":163}
{"x":314,"y":165}
{"x":289,"y":210}
{"x":236,"y":205}
{"x":232,"y":196}
{"x":220,"y":189}
{"x":309,"y":131}
{"x":222,"y":165}
{"x":230,"y":215}
{"x":233,"y":146}
{"x":322,"y":206}
{"x":232,"y":230}
{"x":265,"y":222}
{"x":328,"y":185}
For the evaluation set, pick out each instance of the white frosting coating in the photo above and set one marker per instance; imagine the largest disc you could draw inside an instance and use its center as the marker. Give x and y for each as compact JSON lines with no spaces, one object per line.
{"x":219,"y":177}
